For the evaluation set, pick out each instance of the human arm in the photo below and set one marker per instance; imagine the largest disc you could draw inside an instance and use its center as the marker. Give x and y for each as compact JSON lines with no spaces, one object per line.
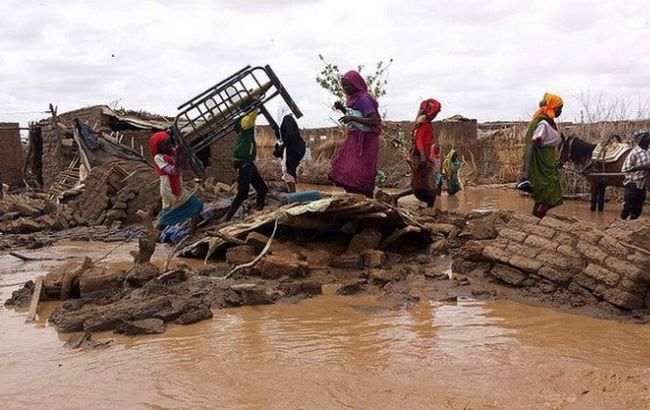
{"x":248,"y":121}
{"x":369,"y":115}
{"x":339,"y":106}
{"x":423,"y":137}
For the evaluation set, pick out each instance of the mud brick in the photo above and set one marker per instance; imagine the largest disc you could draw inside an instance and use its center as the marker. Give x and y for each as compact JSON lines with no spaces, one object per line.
{"x":630,"y":270}
{"x":637,"y":287}
{"x":238,"y":255}
{"x":525,"y":264}
{"x":557,"y":261}
{"x":602,"y":274}
{"x":623,"y":299}
{"x":523,"y":250}
{"x":567,"y":250}
{"x":521,"y":220}
{"x":472,"y":249}
{"x":508,"y":274}
{"x":274,"y":267}
{"x":613,"y":247}
{"x":596,"y":287}
{"x":512,"y":235}
{"x":541,"y":243}
{"x":348,"y":260}
{"x":496,"y":254}
{"x":543,"y":231}
{"x":556,"y":224}
{"x":565,"y":239}
{"x":374,"y":258}
{"x":583,"y":292}
{"x":366,"y":239}
{"x":641,"y":260}
{"x":591,"y":252}
{"x":557,"y":276}
{"x":586,"y":233}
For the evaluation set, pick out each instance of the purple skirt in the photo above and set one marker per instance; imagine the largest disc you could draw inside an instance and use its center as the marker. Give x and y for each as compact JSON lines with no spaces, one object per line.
{"x":354,"y":166}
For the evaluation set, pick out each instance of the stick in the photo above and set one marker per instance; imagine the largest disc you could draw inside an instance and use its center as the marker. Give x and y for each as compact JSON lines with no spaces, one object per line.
{"x":36,"y":297}
{"x":28,"y":258}
{"x":257,"y":259}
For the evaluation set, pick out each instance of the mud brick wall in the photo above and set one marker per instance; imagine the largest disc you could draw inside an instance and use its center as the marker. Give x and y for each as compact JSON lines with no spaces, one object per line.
{"x":569,"y":257}
{"x":220,"y":165}
{"x":53,"y":158}
{"x":11,"y":153}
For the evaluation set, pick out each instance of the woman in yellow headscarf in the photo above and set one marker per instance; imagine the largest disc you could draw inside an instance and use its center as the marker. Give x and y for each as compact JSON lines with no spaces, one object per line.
{"x":540,"y":174}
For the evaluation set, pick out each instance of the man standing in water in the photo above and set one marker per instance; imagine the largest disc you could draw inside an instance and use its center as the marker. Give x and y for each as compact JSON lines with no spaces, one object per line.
{"x":635,"y":168}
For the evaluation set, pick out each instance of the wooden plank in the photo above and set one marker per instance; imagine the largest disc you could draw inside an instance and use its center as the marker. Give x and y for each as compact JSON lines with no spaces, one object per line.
{"x":36,"y":297}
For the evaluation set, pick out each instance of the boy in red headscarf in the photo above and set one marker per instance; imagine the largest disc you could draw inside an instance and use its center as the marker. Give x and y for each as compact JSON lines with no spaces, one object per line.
{"x":423,"y":183}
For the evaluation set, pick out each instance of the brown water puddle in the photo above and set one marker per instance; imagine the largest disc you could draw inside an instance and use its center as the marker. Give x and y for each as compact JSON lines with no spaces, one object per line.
{"x":330,"y":352}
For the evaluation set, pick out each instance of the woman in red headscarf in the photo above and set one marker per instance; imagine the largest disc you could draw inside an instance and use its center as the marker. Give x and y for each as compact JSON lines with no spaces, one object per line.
{"x":424,"y":183}
{"x":178,"y":205}
{"x":354,"y":166}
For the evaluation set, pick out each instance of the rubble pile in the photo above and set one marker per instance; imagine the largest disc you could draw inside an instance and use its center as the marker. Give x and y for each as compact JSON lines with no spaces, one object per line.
{"x":563,"y":261}
{"x":114,"y":192}
{"x":27,"y":213}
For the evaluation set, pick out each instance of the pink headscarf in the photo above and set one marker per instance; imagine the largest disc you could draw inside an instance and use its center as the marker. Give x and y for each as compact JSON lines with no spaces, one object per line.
{"x":360,"y":85}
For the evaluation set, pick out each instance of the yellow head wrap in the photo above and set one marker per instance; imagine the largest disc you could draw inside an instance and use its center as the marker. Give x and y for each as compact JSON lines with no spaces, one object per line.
{"x":548,"y":105}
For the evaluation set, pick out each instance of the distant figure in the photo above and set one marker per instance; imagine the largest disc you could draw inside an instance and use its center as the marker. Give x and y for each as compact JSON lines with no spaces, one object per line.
{"x":244,"y":161}
{"x":636,"y":168}
{"x":426,"y":179}
{"x":291,"y":147}
{"x":540,"y":173}
{"x":178,"y":204}
{"x":451,"y":166}
{"x":354,"y":167}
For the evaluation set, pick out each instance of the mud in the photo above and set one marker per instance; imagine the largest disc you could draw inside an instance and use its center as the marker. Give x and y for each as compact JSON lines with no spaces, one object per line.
{"x":405,"y":335}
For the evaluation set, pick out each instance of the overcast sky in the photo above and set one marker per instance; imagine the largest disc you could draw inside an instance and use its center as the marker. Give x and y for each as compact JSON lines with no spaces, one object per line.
{"x":484,"y":59}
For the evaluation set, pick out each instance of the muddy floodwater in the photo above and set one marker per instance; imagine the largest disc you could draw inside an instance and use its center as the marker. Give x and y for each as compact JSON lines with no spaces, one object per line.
{"x":333,"y":351}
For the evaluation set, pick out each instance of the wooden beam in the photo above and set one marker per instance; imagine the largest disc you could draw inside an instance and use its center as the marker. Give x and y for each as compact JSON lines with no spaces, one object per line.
{"x":36,"y":297}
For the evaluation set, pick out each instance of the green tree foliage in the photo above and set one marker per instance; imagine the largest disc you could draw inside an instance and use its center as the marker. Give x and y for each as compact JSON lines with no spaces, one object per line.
{"x":330,"y":78}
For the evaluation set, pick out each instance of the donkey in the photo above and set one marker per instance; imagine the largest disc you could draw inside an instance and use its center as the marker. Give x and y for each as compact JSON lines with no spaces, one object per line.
{"x":579,"y":152}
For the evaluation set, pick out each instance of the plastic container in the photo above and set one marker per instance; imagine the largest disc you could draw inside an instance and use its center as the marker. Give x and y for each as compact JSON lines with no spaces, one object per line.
{"x":302,"y":196}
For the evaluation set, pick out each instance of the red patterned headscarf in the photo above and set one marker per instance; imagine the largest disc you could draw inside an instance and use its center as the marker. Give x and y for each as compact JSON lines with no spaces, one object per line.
{"x":430,"y":107}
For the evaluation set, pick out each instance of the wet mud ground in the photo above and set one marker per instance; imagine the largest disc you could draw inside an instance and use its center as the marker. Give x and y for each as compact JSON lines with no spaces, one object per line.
{"x":333,"y":351}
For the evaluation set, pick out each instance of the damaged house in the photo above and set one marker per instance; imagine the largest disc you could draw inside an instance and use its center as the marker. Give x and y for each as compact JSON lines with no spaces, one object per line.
{"x":95,"y":160}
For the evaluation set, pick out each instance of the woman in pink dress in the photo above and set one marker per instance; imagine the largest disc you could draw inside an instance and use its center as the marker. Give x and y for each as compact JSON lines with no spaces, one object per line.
{"x":354,"y":166}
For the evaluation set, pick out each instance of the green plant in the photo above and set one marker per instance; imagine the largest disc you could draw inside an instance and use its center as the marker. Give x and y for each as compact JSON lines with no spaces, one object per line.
{"x":382,"y":178}
{"x":329,"y":78}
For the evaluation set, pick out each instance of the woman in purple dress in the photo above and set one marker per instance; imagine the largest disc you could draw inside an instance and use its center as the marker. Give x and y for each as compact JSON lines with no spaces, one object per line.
{"x":354,"y":166}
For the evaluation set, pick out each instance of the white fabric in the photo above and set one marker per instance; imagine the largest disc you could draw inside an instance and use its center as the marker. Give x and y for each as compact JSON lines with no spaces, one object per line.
{"x":283,"y":111}
{"x":546,"y":135}
{"x":169,"y":200}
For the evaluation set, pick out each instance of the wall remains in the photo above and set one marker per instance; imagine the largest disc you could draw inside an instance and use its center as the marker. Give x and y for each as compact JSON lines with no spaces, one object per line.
{"x":11,"y":153}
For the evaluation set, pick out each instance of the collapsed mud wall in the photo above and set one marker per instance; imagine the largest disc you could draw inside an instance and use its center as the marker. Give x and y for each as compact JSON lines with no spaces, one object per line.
{"x":570,"y":261}
{"x":115,"y":192}
{"x":11,"y":153}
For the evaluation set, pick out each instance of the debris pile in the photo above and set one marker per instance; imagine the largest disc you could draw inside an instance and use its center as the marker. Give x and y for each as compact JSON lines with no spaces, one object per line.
{"x":564,"y":262}
{"x":27,"y":213}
